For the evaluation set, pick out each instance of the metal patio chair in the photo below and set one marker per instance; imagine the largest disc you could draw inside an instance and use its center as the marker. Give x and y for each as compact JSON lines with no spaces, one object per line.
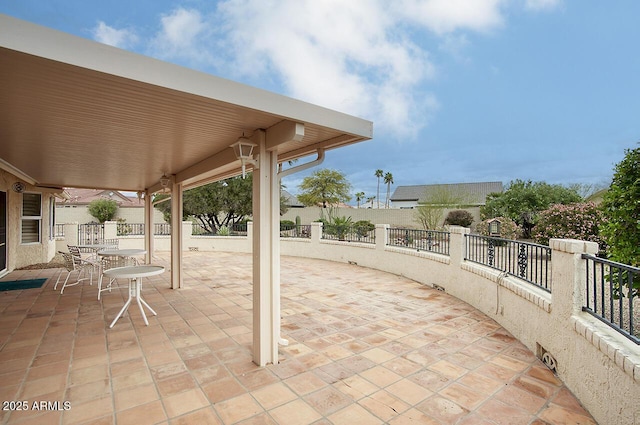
{"x":73,"y":263}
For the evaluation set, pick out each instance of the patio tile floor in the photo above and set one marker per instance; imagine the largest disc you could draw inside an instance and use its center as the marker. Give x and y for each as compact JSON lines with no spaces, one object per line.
{"x":365,"y":347}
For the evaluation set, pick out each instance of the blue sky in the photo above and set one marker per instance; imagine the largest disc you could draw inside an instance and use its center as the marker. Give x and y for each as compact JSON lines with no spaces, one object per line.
{"x":458,"y":90}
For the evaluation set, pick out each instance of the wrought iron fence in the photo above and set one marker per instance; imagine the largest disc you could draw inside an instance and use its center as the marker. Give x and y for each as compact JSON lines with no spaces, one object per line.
{"x":137,"y":229}
{"x":239,"y":229}
{"x":527,"y":261}
{"x":90,"y":233}
{"x":349,"y":233}
{"x":58,"y":231}
{"x":420,"y":240}
{"x":612,"y":295}
{"x":301,"y":231}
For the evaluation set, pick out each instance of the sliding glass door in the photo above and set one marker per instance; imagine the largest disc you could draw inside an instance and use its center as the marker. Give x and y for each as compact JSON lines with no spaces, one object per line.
{"x":3,"y":231}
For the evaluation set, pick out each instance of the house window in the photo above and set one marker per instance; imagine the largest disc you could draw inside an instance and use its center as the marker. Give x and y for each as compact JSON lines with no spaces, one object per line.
{"x":31,"y":217}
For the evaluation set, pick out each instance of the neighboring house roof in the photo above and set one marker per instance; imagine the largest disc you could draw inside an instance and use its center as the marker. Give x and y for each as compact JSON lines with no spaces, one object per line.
{"x":85,"y":196}
{"x":291,"y":200}
{"x":473,"y":193}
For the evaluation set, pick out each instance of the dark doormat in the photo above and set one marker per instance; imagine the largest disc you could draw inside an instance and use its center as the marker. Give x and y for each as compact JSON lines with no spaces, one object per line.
{"x":12,"y":285}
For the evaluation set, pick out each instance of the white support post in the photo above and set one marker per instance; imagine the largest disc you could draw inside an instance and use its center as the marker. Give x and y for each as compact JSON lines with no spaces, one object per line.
{"x":176,"y":234}
{"x":266,"y":256}
{"x":148,"y":227}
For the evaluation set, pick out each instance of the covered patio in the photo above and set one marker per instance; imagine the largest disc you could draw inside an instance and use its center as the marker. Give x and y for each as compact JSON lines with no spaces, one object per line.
{"x":365,"y":347}
{"x":76,"y":113}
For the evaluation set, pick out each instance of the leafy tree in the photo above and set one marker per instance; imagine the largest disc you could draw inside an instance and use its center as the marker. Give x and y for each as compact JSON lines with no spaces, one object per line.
{"x":621,"y":208}
{"x":388,"y":180}
{"x":222,"y":203}
{"x":326,"y":187}
{"x":430,"y":213}
{"x":522,"y":201}
{"x":103,"y":209}
{"x":574,"y":221}
{"x":459,"y":218}
{"x":379,"y":173}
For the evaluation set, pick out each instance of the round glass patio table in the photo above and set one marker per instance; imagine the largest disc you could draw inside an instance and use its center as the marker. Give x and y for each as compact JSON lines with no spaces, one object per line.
{"x":135,"y":275}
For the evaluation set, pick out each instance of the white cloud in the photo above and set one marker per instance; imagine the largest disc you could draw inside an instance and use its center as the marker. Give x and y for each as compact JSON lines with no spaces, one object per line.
{"x":122,"y":38}
{"x":368,"y":58}
{"x":182,"y":35}
{"x":347,"y":56}
{"x":446,"y":16}
{"x":542,"y":4}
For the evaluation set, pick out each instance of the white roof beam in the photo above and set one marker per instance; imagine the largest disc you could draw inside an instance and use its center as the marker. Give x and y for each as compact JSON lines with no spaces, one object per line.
{"x":283,"y":132}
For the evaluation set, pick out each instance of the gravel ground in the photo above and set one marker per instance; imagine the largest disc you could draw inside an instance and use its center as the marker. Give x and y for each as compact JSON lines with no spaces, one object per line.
{"x":55,"y":263}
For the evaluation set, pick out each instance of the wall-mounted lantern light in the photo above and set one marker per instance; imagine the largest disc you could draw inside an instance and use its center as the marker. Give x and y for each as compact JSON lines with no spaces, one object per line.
{"x":243,"y":149}
{"x":164,"y":182}
{"x":494,"y":227}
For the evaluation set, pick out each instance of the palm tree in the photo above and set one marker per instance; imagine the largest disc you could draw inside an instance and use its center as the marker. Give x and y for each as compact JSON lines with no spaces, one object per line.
{"x":379,"y":173}
{"x":388,"y":179}
{"x":359,"y":197}
{"x":370,"y":199}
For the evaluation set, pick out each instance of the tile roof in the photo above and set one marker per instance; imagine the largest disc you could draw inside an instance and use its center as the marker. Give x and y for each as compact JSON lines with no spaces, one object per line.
{"x":85,"y":196}
{"x":290,"y":200}
{"x":475,"y":193}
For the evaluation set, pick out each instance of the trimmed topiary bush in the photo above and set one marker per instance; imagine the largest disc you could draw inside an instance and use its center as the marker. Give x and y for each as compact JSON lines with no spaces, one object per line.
{"x":459,"y":218}
{"x":363,"y":227}
{"x":574,"y":221}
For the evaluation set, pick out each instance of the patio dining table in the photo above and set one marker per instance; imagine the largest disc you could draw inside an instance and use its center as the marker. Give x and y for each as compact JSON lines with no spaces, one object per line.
{"x":94,"y":248}
{"x":135,"y":275}
{"x":129,"y":252}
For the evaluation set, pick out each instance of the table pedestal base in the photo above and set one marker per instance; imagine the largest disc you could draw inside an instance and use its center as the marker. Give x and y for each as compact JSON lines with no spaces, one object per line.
{"x":134,"y":292}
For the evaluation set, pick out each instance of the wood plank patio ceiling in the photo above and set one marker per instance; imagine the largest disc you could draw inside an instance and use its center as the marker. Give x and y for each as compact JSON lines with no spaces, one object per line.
{"x":69,"y":123}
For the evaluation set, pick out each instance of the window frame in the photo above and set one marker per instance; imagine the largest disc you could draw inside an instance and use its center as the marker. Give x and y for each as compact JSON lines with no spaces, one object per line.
{"x":31,"y":218}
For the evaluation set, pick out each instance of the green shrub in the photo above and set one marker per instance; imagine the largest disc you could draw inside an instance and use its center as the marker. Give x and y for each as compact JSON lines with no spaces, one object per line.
{"x":336,"y":226}
{"x":287,"y":225}
{"x":223,"y":231}
{"x":103,"y":209}
{"x":574,"y":221}
{"x":621,"y":208}
{"x":362,"y":228}
{"x":459,"y":218}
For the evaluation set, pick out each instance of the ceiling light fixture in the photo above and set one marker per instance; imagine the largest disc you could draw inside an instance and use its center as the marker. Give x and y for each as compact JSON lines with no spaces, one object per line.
{"x":243,"y":149}
{"x":164,"y":182}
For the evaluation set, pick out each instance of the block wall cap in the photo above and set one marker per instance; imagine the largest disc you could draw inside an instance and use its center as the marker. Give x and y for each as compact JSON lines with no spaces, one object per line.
{"x":573,"y":246}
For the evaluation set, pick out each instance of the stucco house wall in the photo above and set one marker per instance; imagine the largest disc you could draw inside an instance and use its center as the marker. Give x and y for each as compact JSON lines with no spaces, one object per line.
{"x":70,"y":213}
{"x":19,"y":254}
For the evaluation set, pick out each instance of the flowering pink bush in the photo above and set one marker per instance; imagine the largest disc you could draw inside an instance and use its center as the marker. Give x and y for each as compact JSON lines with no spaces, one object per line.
{"x":573,"y":221}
